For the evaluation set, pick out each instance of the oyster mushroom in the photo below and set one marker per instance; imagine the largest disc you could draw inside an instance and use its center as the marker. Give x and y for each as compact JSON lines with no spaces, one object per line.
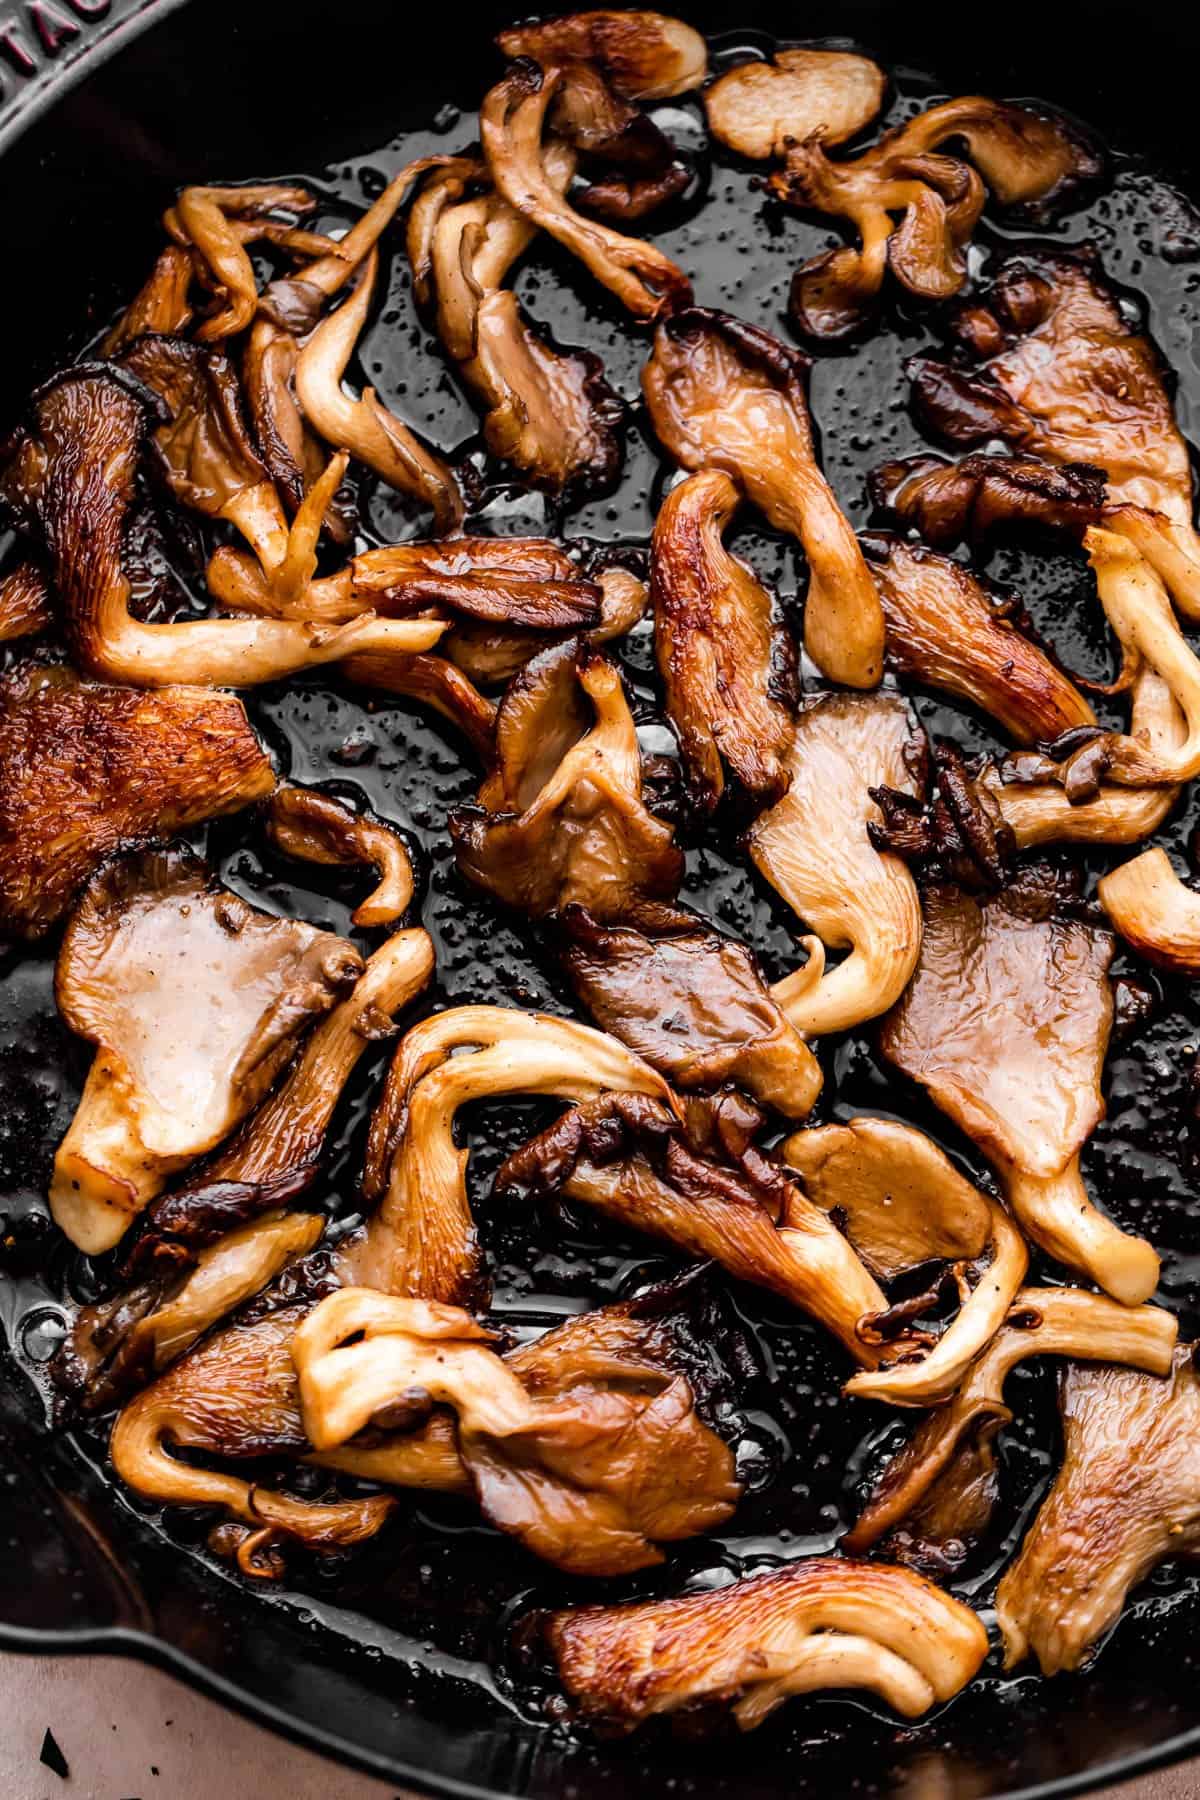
{"x":318,"y":828}
{"x":1042,"y":1322}
{"x":219,"y":1238}
{"x":512,"y":122}
{"x":1059,"y":374}
{"x":421,"y":1240}
{"x":26,"y":605}
{"x":948,"y":502}
{"x":86,"y":769}
{"x":644,"y":55}
{"x":493,"y":655}
{"x":1018,"y":155}
{"x":160,"y":305}
{"x":815,"y":848}
{"x":729,"y":396}
{"x":711,"y":1195}
{"x":1014,"y":1056}
{"x":548,"y":411}
{"x":434,"y":682}
{"x":561,"y":819}
{"x":206,"y":218}
{"x":633,"y":1469}
{"x":727,"y":664}
{"x":195,"y":1003}
{"x":1154,"y":911}
{"x":946,"y":631}
{"x":70,"y":482}
{"x":639,"y":167}
{"x":748,"y":1647}
{"x":1126,"y":1498}
{"x":692,"y":1002}
{"x":758,"y":108}
{"x":904,"y":1204}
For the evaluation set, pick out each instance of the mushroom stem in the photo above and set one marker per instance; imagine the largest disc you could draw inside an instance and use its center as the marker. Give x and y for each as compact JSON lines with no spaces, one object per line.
{"x":1055,"y":1211}
{"x":1154,"y":911}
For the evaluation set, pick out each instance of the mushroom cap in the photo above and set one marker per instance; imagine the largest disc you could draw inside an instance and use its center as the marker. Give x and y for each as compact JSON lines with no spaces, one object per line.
{"x":758,"y":106}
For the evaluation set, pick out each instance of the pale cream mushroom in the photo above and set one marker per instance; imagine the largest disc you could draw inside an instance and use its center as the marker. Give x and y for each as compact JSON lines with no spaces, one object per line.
{"x":815,"y":848}
{"x":758,"y":107}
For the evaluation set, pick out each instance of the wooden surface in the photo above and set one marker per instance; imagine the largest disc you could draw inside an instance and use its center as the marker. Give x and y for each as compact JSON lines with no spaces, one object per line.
{"x":130,"y":1733}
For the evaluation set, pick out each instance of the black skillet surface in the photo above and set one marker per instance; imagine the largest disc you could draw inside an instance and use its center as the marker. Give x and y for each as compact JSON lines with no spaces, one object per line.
{"x":401,"y":1657}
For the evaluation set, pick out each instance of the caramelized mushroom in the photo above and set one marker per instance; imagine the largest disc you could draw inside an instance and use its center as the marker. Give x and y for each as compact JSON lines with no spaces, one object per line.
{"x":729,"y":396}
{"x":1063,"y":377}
{"x":434,"y":682}
{"x":195,"y":1003}
{"x":904,"y":1204}
{"x":947,"y":631}
{"x":727,"y":664}
{"x":421,"y":1241}
{"x":1154,"y":911}
{"x":206,"y":218}
{"x":161,"y":305}
{"x":816,"y":1623}
{"x":815,"y":848}
{"x":306,"y":823}
{"x":640,"y":168}
{"x":592,"y":1478}
{"x":66,"y":802}
{"x":1019,"y":156}
{"x":949,"y":502}
{"x":364,"y":426}
{"x":562,"y":819}
{"x":1013,"y":1052}
{"x":70,"y":481}
{"x":1042,"y":1322}
{"x":1126,"y":1498}
{"x":758,"y":108}
{"x":512,"y":122}
{"x":636,"y":1164}
{"x":644,"y":55}
{"x":692,"y":1003}
{"x":25,"y":602}
{"x":549,"y":411}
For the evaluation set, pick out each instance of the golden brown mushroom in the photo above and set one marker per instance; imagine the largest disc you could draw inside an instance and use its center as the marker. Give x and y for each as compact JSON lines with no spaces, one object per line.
{"x":1154,"y":911}
{"x":727,"y":664}
{"x":318,"y":828}
{"x":758,"y":107}
{"x":748,"y":1647}
{"x":160,"y":305}
{"x":207,"y":218}
{"x":67,"y":797}
{"x":195,"y":1002}
{"x":1126,"y":1498}
{"x":1014,"y":1054}
{"x":904,"y":1204}
{"x":729,"y":396}
{"x":1042,"y":1322}
{"x":815,"y":848}
{"x":644,"y":55}
{"x":26,"y":604}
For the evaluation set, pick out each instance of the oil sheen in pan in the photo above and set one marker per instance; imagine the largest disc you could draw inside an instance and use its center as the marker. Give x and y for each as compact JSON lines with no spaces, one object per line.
{"x":435,"y":1598}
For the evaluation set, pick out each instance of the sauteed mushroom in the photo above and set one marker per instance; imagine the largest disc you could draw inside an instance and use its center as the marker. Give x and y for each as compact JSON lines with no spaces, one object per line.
{"x":816,"y":1623}
{"x":727,"y":664}
{"x":644,"y":55}
{"x":86,"y":769}
{"x":948,"y":502}
{"x":312,"y":825}
{"x":759,"y":108}
{"x":729,"y":396}
{"x":1126,"y":1498}
{"x":1154,"y":911}
{"x":1014,"y":1055}
{"x":640,"y":168}
{"x":26,"y":605}
{"x":814,"y":846}
{"x":1042,"y":1322}
{"x":195,"y":1003}
{"x":160,"y":305}
{"x":1019,"y":156}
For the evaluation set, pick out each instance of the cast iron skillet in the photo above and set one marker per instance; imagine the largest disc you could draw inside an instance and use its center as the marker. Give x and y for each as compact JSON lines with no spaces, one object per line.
{"x":105,"y":106}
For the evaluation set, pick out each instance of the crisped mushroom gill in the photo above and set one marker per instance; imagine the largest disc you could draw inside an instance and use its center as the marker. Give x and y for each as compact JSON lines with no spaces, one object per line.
{"x":904,"y":1205}
{"x":1018,"y":155}
{"x":692,"y":1002}
{"x":86,"y":768}
{"x":421,"y":1241}
{"x":69,"y":480}
{"x":26,"y":605}
{"x":195,"y":1002}
{"x":945,"y":630}
{"x":305,"y":823}
{"x":1154,"y":911}
{"x":725,"y":395}
{"x":1126,"y":1498}
{"x":1043,"y":1322}
{"x":512,"y":123}
{"x":816,"y":1623}
{"x":1013,"y":1050}
{"x":815,"y":848}
{"x":561,"y":819}
{"x":631,"y":1465}
{"x":727,"y":664}
{"x":759,"y":107}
